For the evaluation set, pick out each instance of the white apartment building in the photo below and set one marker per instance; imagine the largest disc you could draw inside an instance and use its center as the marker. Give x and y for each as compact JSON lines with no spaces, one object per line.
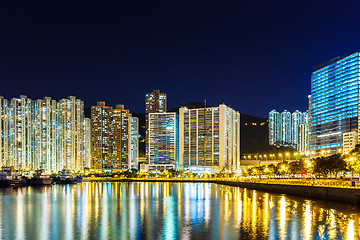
{"x":350,"y":139}
{"x":209,"y":139}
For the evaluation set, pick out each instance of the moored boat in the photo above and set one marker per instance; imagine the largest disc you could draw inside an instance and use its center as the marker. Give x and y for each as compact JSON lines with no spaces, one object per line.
{"x":65,"y":177}
{"x":9,"y":178}
{"x":39,"y":178}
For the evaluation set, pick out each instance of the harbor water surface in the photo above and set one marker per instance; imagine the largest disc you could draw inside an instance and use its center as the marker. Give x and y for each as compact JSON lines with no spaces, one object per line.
{"x":169,"y":211}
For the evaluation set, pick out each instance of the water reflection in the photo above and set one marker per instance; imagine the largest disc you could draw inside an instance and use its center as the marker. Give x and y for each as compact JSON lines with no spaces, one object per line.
{"x":168,"y":211}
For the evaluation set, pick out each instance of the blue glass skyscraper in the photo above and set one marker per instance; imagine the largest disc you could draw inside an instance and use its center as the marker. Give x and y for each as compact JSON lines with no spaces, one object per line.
{"x":334,"y":102}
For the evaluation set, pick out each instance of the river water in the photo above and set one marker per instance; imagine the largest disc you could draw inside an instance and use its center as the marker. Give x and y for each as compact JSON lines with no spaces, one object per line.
{"x":169,"y":211}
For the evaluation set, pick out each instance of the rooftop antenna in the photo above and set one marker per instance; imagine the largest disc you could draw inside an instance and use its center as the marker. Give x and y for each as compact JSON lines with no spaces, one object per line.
{"x":205,"y":103}
{"x":222,"y":100}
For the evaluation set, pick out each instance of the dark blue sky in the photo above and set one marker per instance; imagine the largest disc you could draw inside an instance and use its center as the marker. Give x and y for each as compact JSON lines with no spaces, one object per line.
{"x":256,"y":55}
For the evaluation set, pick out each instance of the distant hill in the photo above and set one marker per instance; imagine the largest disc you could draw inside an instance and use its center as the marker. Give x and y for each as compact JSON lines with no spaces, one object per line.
{"x":87,"y":112}
{"x":190,"y":105}
{"x":254,"y":131}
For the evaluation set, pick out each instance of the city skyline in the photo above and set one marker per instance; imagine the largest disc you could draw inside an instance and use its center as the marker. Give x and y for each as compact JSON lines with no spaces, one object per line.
{"x":180,"y":119}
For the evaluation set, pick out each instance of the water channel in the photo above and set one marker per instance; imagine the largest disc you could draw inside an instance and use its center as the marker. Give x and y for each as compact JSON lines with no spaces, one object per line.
{"x":169,"y":211}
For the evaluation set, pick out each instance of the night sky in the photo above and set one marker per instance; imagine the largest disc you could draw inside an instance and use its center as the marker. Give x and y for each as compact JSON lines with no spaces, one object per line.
{"x":256,"y":55}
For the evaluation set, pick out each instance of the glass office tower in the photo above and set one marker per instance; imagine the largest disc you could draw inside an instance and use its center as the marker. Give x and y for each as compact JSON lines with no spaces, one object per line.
{"x":334,"y":103}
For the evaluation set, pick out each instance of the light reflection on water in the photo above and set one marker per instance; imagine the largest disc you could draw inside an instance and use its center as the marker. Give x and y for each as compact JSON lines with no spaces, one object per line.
{"x":169,"y":211}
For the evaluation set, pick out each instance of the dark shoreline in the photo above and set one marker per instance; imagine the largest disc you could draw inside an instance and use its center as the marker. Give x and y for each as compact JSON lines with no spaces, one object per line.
{"x":344,"y":195}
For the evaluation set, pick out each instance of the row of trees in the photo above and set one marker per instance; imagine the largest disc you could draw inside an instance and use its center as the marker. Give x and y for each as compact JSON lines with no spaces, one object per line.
{"x":322,"y":166}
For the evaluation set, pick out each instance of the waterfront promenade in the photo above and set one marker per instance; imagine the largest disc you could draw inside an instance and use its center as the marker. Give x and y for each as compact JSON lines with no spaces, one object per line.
{"x":347,"y":191}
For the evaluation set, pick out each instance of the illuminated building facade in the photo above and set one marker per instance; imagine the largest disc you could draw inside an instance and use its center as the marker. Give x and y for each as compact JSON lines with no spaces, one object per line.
{"x":134,"y":143}
{"x":303,"y":142}
{"x":155,"y":102}
{"x":334,"y":102}
{"x":209,"y":139}
{"x":101,"y":139}
{"x":120,"y":138}
{"x":296,"y":120}
{"x":87,"y":136}
{"x":350,"y":139}
{"x":112,"y":133}
{"x":283,"y":127}
{"x":42,"y":134}
{"x":163,"y":145}
{"x":274,"y":127}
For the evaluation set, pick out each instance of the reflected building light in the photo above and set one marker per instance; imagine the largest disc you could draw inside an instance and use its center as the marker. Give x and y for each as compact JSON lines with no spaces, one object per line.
{"x":164,"y":197}
{"x":85,"y":212}
{"x":307,"y":221}
{"x":187,"y":203}
{"x":169,"y":229}
{"x":254,"y":213}
{"x":68,"y":215}
{"x":143,"y":194}
{"x":132,"y":214}
{"x":206,"y":204}
{"x":226,"y":206}
{"x":332,"y":224}
{"x":282,"y":224}
{"x":239,"y":203}
{"x":45,"y":225}
{"x":266,"y":216}
{"x":124,"y":227}
{"x":20,"y":217}
{"x":350,"y":230}
{"x":245,"y":208}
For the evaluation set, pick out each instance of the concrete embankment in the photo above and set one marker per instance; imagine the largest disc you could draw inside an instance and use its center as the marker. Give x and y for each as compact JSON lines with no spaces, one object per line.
{"x":345,"y":195}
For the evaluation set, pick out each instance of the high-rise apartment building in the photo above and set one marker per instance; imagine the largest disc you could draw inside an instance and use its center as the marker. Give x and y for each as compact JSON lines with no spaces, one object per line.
{"x":71,"y":119}
{"x":350,"y":139}
{"x":334,"y":102}
{"x":163,"y":145}
{"x":283,"y":127}
{"x":87,"y":136}
{"x":155,"y":102}
{"x":120,"y":137}
{"x":303,"y":135}
{"x":101,"y":139}
{"x":209,"y":139}
{"x":134,"y":143}
{"x":42,"y":134}
{"x":296,"y":119}
{"x":112,"y":130}
{"x":274,"y":127}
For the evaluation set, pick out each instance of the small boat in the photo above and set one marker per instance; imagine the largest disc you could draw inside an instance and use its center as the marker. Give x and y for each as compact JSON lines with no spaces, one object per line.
{"x":65,"y":177}
{"x":39,"y":178}
{"x":9,"y":178}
